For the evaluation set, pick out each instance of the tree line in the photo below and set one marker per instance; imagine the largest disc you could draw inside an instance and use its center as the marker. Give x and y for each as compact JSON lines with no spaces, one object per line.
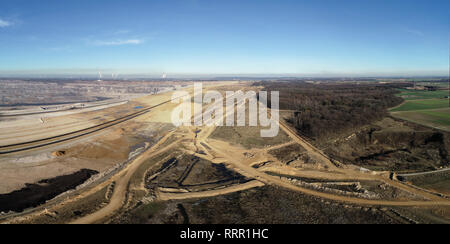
{"x":323,"y":110}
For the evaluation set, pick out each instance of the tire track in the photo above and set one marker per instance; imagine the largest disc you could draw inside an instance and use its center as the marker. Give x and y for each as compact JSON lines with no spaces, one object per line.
{"x":26,"y":146}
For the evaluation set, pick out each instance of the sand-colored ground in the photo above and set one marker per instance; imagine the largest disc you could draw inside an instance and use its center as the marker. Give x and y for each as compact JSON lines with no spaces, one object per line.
{"x":196,"y":141}
{"x":98,"y":151}
{"x":163,"y":196}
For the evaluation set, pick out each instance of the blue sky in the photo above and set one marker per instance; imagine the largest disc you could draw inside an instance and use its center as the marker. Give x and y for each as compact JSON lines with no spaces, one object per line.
{"x":365,"y":37}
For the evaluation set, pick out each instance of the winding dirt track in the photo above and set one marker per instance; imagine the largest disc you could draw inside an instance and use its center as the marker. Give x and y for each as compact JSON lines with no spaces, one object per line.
{"x":425,"y":173}
{"x":355,"y":174}
{"x":271,"y":180}
{"x":122,"y":182}
{"x":212,"y":193}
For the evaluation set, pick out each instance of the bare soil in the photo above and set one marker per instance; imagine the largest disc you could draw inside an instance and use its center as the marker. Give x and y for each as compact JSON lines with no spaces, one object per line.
{"x":393,"y":145}
{"x":248,"y":137}
{"x":38,"y":193}
{"x":193,"y":173}
{"x":262,"y":205}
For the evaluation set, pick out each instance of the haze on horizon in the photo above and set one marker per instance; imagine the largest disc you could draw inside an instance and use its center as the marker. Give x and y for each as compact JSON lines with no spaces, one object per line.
{"x":225,"y":38}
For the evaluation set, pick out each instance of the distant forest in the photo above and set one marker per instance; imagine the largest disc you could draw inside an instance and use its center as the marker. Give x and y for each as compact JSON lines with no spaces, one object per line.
{"x":323,"y":110}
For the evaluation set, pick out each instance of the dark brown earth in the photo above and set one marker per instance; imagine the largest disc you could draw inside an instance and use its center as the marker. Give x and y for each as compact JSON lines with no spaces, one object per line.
{"x":33,"y":195}
{"x":266,"y":205}
{"x":193,"y":173}
{"x":395,"y":146}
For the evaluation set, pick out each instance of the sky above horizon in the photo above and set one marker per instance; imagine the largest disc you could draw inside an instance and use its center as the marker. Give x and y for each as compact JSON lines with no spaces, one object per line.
{"x":323,"y":37}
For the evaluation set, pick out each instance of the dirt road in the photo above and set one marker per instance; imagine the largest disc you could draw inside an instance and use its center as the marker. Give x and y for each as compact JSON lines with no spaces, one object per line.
{"x":122,"y":182}
{"x":240,"y":187}
{"x":425,"y":173}
{"x":271,"y":180}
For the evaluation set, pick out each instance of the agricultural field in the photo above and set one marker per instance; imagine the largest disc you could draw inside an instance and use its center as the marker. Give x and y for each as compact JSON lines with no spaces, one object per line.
{"x":427,"y":104}
{"x":417,"y":95}
{"x":438,"y":84}
{"x":429,"y":108}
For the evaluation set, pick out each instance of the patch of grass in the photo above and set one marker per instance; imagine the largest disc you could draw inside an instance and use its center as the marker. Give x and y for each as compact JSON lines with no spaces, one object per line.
{"x":439,"y":118}
{"x":422,"y":105}
{"x":416,"y":95}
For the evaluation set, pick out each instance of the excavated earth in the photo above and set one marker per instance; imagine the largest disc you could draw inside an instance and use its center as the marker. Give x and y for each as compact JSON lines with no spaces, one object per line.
{"x":393,"y":146}
{"x":36,"y":194}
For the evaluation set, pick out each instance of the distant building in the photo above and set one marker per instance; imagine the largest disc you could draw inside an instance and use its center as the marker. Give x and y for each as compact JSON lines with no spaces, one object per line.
{"x":431,"y":88}
{"x":423,"y":88}
{"x":417,"y":88}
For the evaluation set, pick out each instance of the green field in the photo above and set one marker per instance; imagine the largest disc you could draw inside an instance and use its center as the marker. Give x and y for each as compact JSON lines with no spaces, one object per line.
{"x":416,"y":95}
{"x":427,"y":104}
{"x":441,"y":116}
{"x":428,"y":108}
{"x":438,"y":84}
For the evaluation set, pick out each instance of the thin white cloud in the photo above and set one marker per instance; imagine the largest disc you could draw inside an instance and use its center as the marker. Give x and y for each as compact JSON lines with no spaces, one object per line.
{"x":4,"y":23}
{"x":121,"y":32}
{"x":414,"y":32}
{"x":58,"y":49}
{"x":118,"y":42}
